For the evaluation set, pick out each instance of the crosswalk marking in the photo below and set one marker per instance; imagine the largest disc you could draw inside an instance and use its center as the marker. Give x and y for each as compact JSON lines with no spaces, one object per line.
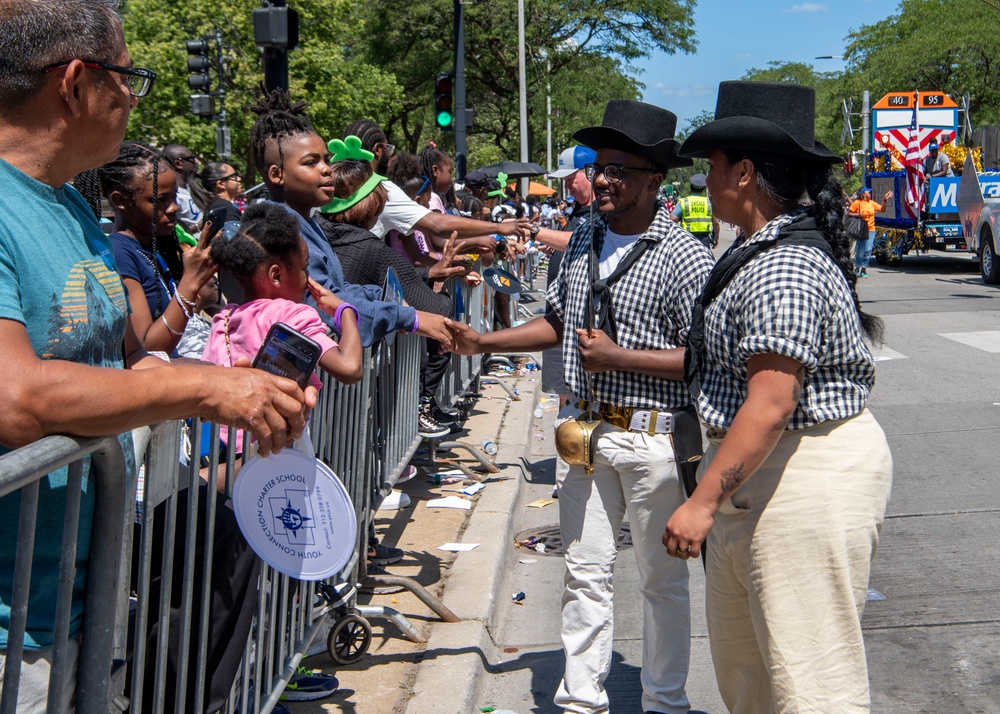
{"x":987,"y":341}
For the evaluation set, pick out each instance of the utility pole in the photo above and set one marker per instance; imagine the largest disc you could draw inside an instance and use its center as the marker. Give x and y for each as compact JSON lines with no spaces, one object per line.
{"x":523,"y":91}
{"x":223,"y":139}
{"x":548,"y":117}
{"x":866,"y":118}
{"x":462,"y":122}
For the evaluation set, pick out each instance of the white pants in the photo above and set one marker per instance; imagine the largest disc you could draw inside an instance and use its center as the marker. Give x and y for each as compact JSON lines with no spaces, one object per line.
{"x":788,"y":564}
{"x":634,"y":474}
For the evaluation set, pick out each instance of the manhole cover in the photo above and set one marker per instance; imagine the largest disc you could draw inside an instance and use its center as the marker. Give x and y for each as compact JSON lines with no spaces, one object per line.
{"x":547,"y":540}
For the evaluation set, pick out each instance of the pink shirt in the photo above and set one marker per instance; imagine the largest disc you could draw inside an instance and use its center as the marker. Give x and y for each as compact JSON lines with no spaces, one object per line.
{"x":248,"y":326}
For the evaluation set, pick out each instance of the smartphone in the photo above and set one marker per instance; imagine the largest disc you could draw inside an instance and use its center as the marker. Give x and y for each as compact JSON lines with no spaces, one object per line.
{"x":217,"y":217}
{"x":286,"y":352}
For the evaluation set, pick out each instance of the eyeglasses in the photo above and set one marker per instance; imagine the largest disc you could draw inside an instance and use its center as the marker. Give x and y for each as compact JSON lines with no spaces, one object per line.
{"x":190,"y":157}
{"x":230,"y":177}
{"x":612,"y":172}
{"x":138,"y":81}
{"x":389,"y":148}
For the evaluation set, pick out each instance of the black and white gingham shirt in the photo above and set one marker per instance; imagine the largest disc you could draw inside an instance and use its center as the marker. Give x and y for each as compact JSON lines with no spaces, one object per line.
{"x":791,"y":301}
{"x":652,"y":304}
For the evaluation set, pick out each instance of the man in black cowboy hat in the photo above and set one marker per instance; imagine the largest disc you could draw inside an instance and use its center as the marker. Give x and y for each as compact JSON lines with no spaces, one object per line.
{"x":694,"y":213}
{"x":622,"y":325}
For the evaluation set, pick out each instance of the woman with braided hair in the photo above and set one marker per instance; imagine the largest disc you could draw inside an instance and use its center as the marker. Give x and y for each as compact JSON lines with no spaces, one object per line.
{"x":794,"y":486}
{"x":163,"y":286}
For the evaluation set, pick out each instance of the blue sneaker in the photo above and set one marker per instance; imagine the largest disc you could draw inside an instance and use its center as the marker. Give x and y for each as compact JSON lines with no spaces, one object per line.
{"x":308,"y":684}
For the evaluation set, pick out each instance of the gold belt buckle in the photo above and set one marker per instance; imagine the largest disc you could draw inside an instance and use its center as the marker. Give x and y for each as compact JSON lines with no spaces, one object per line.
{"x":614,"y":416}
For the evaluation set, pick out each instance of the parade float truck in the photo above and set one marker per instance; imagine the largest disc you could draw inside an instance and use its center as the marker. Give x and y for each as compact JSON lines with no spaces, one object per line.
{"x":899,"y":227}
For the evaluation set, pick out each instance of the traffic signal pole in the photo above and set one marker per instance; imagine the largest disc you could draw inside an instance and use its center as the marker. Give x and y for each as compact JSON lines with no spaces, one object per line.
{"x":276,"y":31}
{"x":461,"y":121}
{"x":204,"y":97}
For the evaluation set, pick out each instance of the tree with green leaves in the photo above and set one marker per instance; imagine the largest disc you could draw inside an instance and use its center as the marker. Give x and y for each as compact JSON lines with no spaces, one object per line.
{"x":951,"y":46}
{"x":337,"y":89}
{"x":582,"y":51}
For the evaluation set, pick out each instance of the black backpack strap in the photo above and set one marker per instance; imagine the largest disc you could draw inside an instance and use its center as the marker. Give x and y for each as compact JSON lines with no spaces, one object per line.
{"x":802,"y":233}
{"x":605,"y":317}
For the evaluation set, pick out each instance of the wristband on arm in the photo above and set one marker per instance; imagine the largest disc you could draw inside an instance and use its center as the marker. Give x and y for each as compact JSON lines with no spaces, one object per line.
{"x":340,"y":311}
{"x":416,"y":322}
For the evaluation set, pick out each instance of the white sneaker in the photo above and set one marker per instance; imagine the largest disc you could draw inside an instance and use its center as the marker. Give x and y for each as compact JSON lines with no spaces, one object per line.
{"x":395,"y":501}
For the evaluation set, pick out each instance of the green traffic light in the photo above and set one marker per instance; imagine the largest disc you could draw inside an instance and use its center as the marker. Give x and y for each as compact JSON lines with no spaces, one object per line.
{"x":445,"y":119}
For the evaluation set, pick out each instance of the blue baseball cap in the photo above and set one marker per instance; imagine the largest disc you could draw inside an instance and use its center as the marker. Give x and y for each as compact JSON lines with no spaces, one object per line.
{"x":573,"y":159}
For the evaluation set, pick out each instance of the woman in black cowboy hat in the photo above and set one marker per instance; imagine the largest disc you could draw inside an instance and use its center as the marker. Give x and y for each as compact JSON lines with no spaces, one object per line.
{"x":795,"y":483}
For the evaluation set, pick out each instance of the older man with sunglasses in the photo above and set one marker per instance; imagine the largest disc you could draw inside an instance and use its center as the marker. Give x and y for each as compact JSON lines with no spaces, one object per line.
{"x":67,"y":86}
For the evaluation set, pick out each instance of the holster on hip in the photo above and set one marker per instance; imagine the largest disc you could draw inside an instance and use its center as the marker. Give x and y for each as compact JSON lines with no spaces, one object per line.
{"x":687,"y":445}
{"x":575,"y":441}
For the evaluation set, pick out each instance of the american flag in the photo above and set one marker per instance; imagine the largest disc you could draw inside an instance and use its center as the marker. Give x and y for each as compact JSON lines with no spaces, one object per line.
{"x":914,"y":171}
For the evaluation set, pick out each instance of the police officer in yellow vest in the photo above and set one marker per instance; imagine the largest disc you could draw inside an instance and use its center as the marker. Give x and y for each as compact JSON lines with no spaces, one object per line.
{"x":694,"y":213}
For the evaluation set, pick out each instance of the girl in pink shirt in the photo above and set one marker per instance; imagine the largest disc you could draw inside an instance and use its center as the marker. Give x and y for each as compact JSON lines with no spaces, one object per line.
{"x":269,"y":258}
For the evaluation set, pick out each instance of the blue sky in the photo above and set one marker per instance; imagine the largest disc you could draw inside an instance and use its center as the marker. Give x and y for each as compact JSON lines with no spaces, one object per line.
{"x":734,"y":37}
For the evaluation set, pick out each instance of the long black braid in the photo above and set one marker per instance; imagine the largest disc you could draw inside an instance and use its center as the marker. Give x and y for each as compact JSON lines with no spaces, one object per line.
{"x":828,"y":211}
{"x":137,"y":161}
{"x":782,"y":181}
{"x":277,"y":119}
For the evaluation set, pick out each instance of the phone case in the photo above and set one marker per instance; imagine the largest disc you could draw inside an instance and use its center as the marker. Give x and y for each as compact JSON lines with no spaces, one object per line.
{"x":286,"y":352}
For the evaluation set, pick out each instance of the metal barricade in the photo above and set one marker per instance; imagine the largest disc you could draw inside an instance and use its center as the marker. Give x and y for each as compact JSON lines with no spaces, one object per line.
{"x":103,"y":464}
{"x":167,"y":551}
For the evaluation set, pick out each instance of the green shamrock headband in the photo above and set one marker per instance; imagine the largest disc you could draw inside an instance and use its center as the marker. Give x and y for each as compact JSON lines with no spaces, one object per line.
{"x":502,"y":178}
{"x":350,"y":150}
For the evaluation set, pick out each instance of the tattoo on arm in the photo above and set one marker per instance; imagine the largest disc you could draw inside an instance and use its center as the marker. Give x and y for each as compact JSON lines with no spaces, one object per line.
{"x":732,"y":479}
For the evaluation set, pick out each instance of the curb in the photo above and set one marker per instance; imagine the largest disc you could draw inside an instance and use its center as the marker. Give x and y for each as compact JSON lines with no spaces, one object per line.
{"x":456,"y":653}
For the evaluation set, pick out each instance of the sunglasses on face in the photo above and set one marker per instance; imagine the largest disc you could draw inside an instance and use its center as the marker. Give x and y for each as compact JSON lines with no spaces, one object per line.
{"x":612,"y":172}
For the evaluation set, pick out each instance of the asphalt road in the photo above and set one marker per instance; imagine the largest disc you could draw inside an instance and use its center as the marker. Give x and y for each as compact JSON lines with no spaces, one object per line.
{"x":931,"y":624}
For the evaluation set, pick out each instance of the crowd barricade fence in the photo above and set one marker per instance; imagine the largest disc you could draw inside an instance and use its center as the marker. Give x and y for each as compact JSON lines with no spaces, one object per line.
{"x":21,"y":471}
{"x":158,"y":558}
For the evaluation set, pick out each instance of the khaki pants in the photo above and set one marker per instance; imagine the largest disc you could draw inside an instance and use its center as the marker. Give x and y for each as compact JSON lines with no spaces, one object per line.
{"x":788,"y":564}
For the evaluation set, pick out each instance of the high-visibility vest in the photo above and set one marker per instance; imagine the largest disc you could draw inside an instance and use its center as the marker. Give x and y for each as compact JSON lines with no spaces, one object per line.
{"x":695,"y":215}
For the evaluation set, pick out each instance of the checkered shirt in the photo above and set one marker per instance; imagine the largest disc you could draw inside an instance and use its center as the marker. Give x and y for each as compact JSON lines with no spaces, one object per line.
{"x":652,"y":304}
{"x":791,"y":301}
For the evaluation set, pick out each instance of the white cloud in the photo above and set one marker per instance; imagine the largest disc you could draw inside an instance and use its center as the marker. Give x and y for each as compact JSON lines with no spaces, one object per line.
{"x":743,"y":57}
{"x":808,"y":7}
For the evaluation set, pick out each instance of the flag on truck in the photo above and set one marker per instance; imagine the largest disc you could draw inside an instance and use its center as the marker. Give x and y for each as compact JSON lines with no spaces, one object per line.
{"x":914,"y":166}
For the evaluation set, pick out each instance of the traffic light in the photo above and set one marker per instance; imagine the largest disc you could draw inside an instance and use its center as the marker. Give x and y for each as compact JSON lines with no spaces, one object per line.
{"x":199,"y":79}
{"x":444,"y":111}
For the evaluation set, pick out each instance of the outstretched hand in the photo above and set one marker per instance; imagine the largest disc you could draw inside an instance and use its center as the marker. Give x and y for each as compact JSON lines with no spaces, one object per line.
{"x":325,"y":299}
{"x":447,"y":267}
{"x":465,"y":340}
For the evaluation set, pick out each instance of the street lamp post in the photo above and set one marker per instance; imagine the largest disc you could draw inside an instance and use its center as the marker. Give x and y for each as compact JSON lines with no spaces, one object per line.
{"x":523,"y":90}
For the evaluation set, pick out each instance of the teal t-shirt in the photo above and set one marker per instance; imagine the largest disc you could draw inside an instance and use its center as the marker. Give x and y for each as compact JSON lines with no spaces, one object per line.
{"x":57,"y":278}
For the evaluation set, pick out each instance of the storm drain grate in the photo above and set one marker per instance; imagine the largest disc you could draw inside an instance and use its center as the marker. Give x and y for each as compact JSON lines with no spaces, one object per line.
{"x":547,"y":540}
